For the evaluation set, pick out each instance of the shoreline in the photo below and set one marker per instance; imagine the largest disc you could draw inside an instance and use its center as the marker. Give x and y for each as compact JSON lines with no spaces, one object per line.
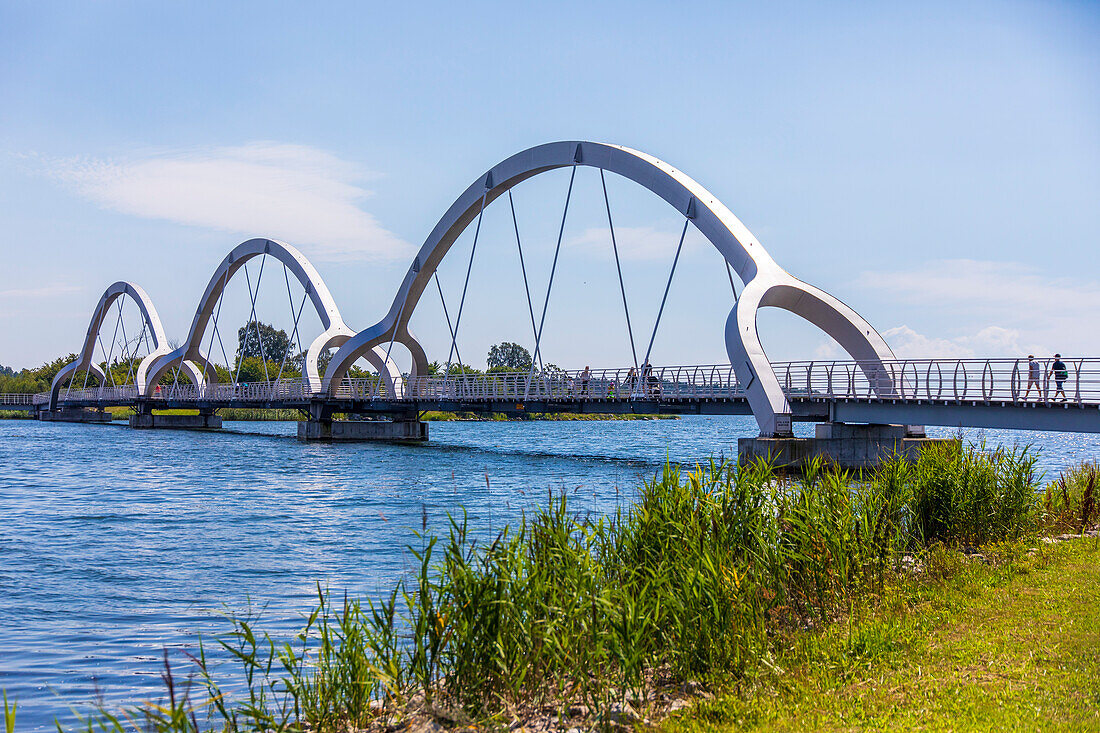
{"x":694,"y":606}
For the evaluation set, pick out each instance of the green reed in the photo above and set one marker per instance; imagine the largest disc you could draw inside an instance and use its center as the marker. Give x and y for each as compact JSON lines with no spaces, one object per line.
{"x":1069,"y":502}
{"x":698,"y":579}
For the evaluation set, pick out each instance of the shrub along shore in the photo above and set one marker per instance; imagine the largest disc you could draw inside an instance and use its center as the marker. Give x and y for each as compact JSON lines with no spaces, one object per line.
{"x":703,"y":585}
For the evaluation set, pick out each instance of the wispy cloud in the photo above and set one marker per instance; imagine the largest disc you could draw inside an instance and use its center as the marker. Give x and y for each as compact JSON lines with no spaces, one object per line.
{"x":296,"y":193}
{"x":634,"y":243}
{"x":988,"y":309}
{"x":1009,"y":290}
{"x":44,"y":291}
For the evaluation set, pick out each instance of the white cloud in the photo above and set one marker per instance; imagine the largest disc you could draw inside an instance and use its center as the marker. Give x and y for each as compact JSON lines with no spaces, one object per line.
{"x":989,"y":341}
{"x":44,"y":291}
{"x":634,"y":243}
{"x":295,"y":193}
{"x":1014,"y":291}
{"x":907,"y":343}
{"x":989,"y":309}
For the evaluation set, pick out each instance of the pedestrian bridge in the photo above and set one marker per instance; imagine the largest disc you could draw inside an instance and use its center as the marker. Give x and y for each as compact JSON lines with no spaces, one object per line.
{"x":871,"y":386}
{"x":952,"y":392}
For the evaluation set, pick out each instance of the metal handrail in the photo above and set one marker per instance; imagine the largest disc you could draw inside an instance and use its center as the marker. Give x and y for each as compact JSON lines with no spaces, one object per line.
{"x":906,"y":379}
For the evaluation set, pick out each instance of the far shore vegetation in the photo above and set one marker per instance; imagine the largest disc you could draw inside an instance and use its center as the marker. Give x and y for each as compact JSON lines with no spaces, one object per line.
{"x":264,"y":353}
{"x":919,"y":595}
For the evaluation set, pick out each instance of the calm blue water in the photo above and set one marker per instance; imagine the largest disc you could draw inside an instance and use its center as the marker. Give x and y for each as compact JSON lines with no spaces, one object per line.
{"x":117,"y":544}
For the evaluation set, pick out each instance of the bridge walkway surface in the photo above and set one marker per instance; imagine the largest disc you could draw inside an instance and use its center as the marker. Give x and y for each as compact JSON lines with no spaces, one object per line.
{"x":956,"y":392}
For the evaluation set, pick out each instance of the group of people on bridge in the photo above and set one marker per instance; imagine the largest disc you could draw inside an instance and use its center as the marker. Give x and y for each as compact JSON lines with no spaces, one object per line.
{"x":635,"y":384}
{"x":1058,"y":371}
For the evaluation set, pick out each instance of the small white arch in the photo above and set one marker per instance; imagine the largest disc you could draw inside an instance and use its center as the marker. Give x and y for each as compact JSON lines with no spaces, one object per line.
{"x":335,"y":334}
{"x":767,"y":284}
{"x":85,"y":359}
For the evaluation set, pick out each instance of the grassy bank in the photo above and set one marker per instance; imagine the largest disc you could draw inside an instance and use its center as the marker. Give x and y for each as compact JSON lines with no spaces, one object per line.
{"x":1008,"y":643}
{"x":717,"y":580}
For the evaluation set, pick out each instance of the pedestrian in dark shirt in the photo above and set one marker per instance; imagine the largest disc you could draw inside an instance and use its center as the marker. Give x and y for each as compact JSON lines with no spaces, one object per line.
{"x":1060,"y":373}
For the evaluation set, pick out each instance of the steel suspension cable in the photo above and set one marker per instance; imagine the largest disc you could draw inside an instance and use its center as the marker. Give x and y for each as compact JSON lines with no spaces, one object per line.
{"x":125,"y":339}
{"x":393,"y":337}
{"x":251,"y":318}
{"x":294,"y":333}
{"x":729,"y":272}
{"x":255,"y":321}
{"x":668,"y":286}
{"x":131,"y":354}
{"x":550,"y":285}
{"x":523,"y":269}
{"x":447,"y":315}
{"x":618,"y":268}
{"x":214,"y":331}
{"x":290,"y":300}
{"x":107,"y":356}
{"x":465,"y":287}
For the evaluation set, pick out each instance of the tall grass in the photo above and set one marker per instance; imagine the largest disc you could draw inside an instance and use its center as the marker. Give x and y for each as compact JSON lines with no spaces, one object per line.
{"x":1069,"y":502}
{"x":697,"y":580}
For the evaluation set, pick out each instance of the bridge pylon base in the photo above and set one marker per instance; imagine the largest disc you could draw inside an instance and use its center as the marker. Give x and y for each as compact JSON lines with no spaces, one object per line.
{"x":75,"y":415}
{"x":147,"y":421}
{"x":346,"y":431}
{"x":843,"y":445}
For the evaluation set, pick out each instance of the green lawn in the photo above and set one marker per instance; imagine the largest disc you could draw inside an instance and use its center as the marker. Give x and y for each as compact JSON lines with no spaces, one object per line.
{"x":1010,"y":648}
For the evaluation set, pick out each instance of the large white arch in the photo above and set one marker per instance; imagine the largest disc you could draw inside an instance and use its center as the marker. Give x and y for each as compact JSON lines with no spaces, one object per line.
{"x":767,"y":284}
{"x":86,"y":358}
{"x":336,"y":331}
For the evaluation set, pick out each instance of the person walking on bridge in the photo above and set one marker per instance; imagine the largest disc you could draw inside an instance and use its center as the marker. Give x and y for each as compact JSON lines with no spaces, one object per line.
{"x":1033,"y":374}
{"x":1061,"y":374}
{"x":585,"y":376}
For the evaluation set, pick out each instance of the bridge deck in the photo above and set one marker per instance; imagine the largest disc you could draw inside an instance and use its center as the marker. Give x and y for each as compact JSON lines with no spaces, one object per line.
{"x":971,"y":393}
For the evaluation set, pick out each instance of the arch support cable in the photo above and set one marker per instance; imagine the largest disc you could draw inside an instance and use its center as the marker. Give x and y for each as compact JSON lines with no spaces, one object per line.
{"x":465,"y":287}
{"x":729,"y":273}
{"x":294,"y":335}
{"x":619,"y":268}
{"x":447,"y":315}
{"x":550,"y":285}
{"x":107,"y":356}
{"x":251,"y":319}
{"x":290,"y":300}
{"x":255,"y":322}
{"x":664,"y":298}
{"x":214,"y":331}
{"x":523,"y":269}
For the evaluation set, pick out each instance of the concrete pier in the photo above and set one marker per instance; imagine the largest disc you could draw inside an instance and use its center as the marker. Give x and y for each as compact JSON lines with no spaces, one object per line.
{"x":148,"y":420}
{"x":361,"y":430}
{"x":843,"y":445}
{"x":75,"y":414}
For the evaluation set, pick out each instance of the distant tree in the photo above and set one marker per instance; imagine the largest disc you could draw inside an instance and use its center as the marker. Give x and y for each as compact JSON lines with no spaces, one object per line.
{"x":275,"y":342}
{"x":507,"y":355}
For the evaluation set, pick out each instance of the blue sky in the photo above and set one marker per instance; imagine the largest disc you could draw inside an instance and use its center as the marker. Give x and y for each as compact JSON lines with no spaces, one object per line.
{"x":936,"y":166}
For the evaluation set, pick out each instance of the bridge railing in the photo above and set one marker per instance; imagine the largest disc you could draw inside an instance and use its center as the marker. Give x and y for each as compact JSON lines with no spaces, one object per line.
{"x":16,"y":399}
{"x":677,"y":382}
{"x":938,"y":380}
{"x":944,"y":380}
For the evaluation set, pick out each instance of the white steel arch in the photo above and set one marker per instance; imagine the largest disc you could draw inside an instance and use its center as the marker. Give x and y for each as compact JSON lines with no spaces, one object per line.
{"x":86,"y":358}
{"x":336,"y":331}
{"x":767,"y":284}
